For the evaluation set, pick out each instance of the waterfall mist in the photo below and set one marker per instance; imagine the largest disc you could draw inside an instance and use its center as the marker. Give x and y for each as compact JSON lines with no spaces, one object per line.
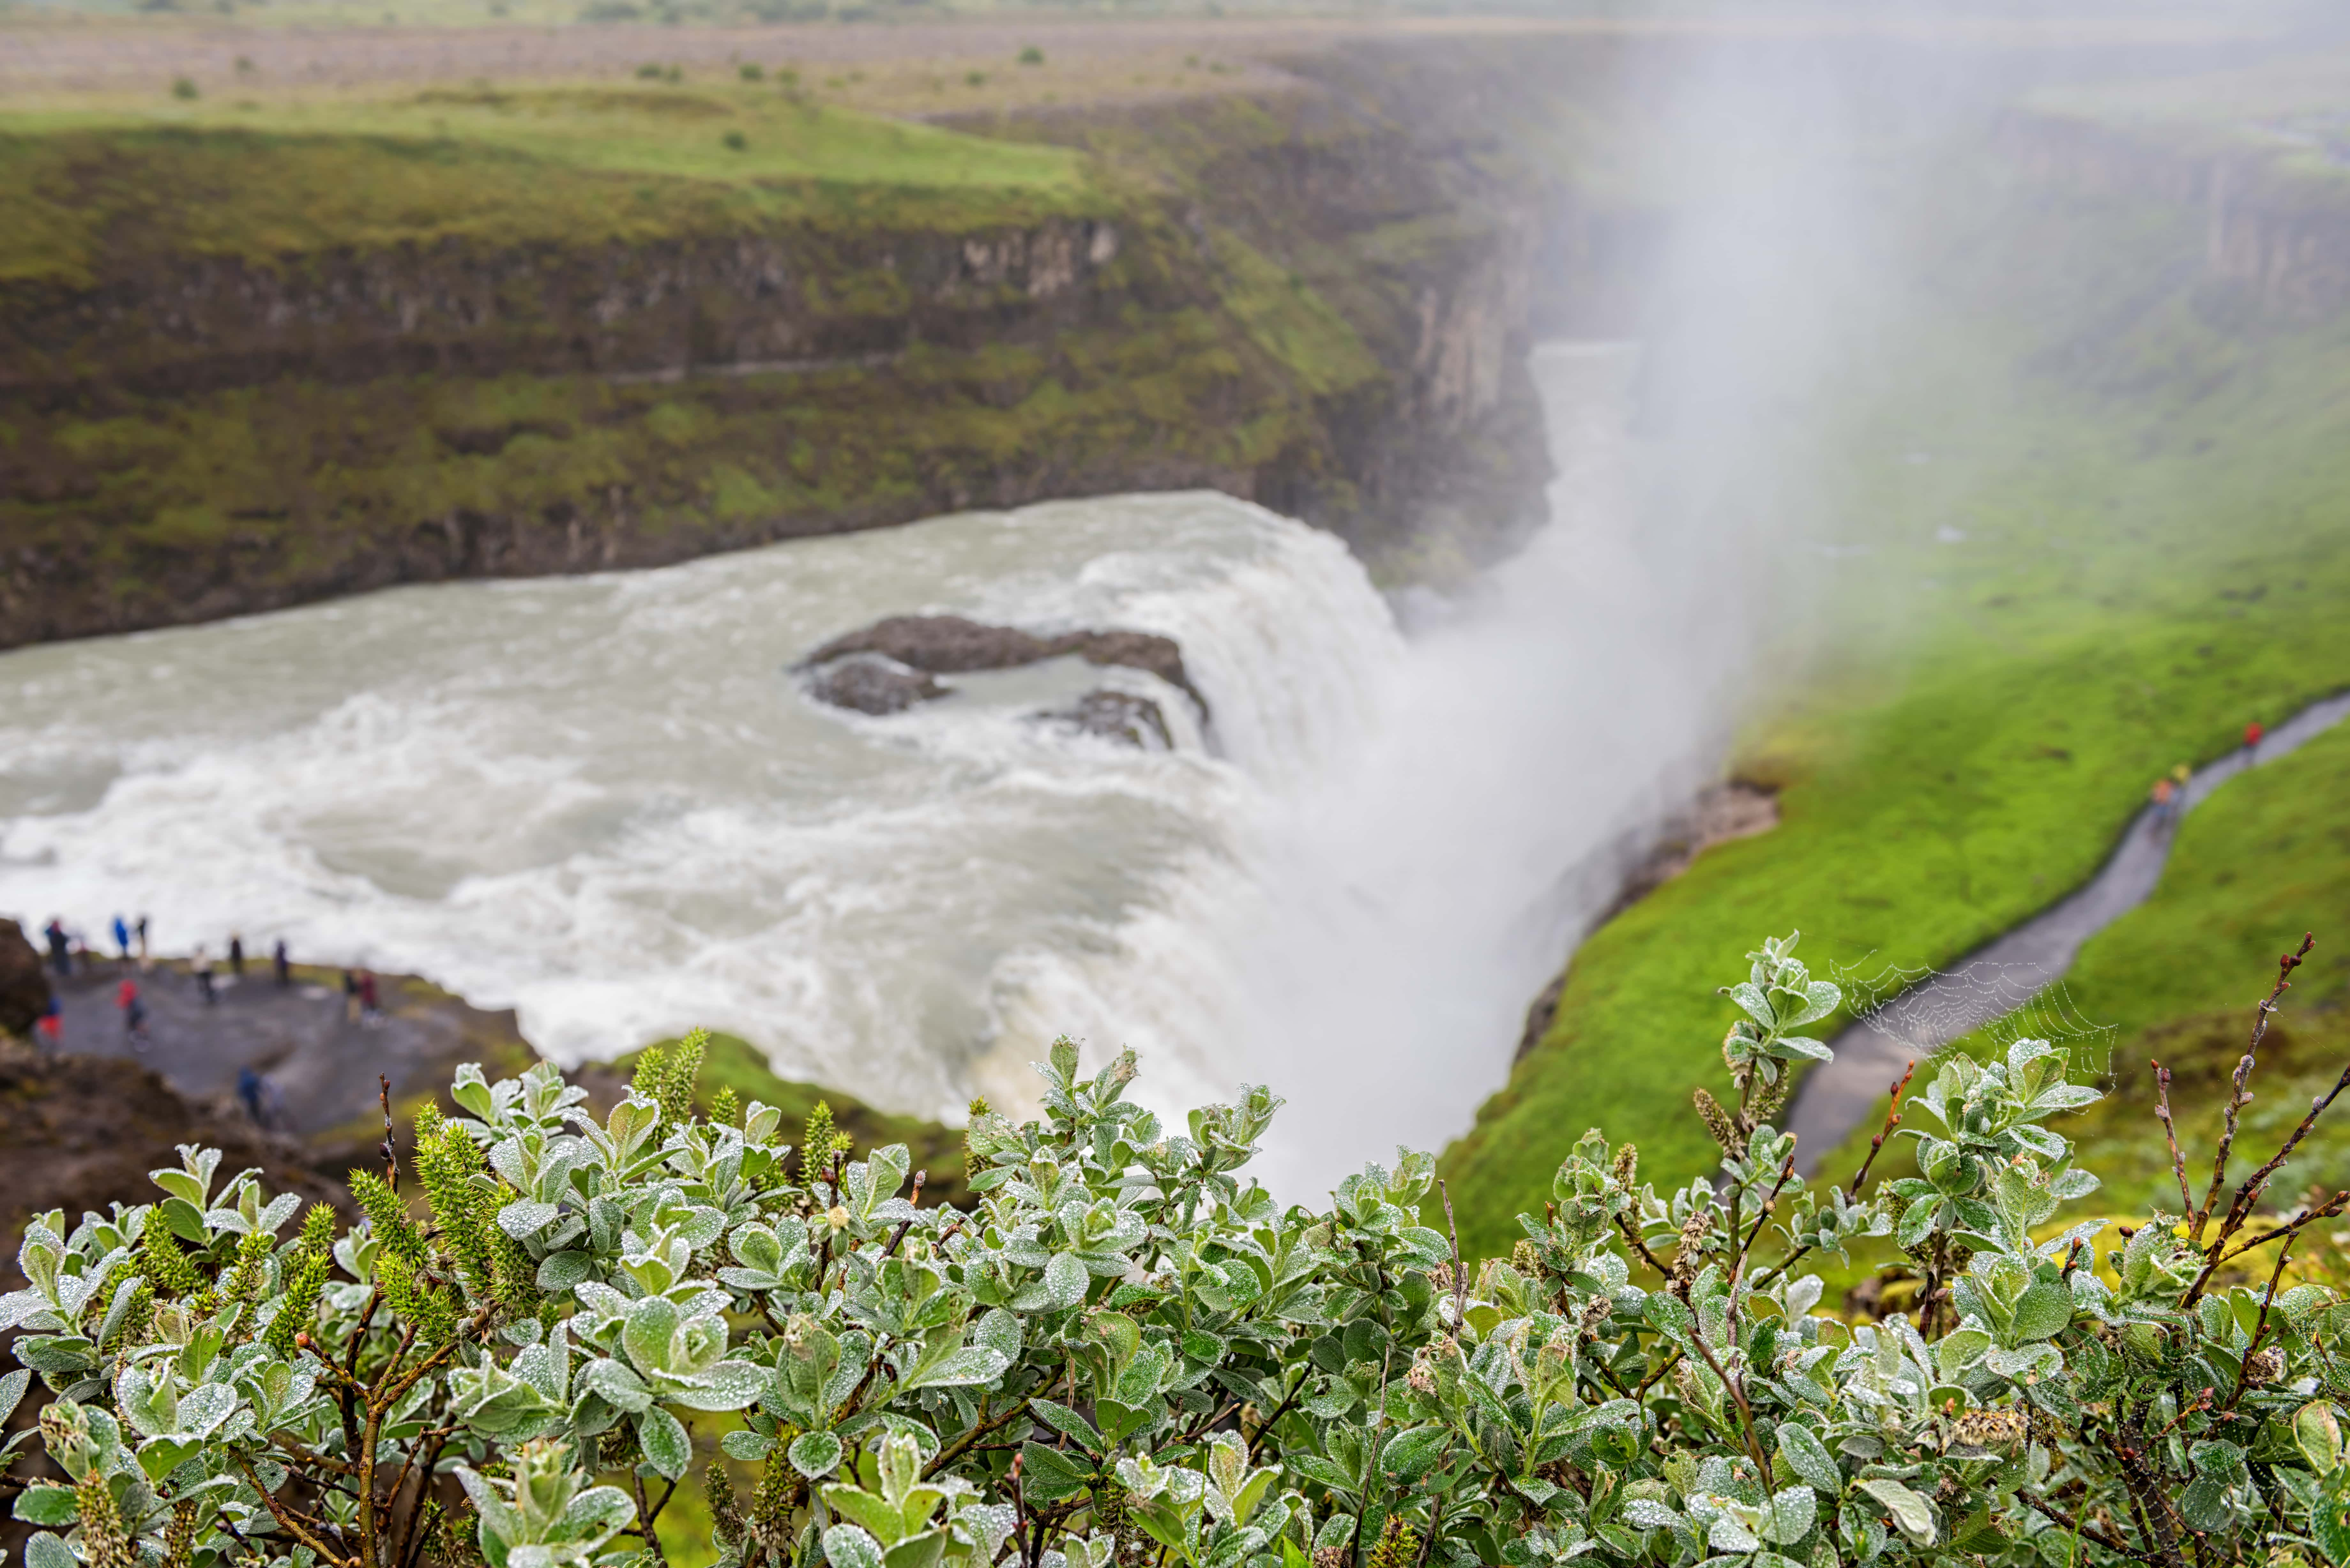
{"x":1540,"y":730}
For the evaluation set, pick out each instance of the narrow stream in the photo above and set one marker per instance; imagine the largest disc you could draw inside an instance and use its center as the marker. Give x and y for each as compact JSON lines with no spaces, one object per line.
{"x":2002,"y":977}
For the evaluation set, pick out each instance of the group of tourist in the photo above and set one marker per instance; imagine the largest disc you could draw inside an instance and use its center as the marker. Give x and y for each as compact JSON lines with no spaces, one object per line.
{"x":70,"y":952}
{"x":2169,"y":792}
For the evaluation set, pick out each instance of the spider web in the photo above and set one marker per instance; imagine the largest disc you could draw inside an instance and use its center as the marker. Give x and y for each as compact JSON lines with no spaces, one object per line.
{"x":1923,"y":1011}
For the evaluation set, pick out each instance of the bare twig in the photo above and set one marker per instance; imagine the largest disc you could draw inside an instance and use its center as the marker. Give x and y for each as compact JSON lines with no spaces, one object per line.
{"x":1664,"y":1366}
{"x":2331,"y":1207}
{"x":2238,"y":1095}
{"x":2162,"y":1114}
{"x":287,"y":1521}
{"x":651,"y":1538}
{"x":2260,"y":1329}
{"x":389,"y":1150}
{"x":2086,"y":1532}
{"x":1278,"y":1412}
{"x":1745,"y":1411}
{"x":1641,"y":1247}
{"x":1460,"y":1286}
{"x":1892,"y":1120}
{"x":964,"y":1444}
{"x":1761,"y":1215}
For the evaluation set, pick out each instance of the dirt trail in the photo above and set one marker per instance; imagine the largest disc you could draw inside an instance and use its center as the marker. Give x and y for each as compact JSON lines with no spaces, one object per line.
{"x":1997,"y":979}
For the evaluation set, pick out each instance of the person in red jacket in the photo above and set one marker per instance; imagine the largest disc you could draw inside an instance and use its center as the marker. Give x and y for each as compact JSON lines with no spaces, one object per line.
{"x":2252,"y":734}
{"x":134,"y":1014}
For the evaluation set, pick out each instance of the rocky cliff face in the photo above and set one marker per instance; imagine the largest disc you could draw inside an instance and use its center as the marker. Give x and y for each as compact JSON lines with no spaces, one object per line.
{"x":1301,"y":299}
{"x":794,"y":297}
{"x":2280,"y":237}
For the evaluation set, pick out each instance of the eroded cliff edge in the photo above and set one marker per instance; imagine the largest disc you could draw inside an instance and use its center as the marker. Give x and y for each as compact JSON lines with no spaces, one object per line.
{"x":1317,"y":299}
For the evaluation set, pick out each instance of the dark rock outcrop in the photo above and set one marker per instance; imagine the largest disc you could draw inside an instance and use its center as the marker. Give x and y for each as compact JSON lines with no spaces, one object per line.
{"x":24,"y":985}
{"x":952,"y":644}
{"x":81,"y":1132}
{"x":871,"y":683}
{"x":1116,"y":716}
{"x":1734,"y":810}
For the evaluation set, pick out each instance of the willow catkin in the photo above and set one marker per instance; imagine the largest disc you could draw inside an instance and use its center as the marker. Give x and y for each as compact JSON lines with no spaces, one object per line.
{"x":180,"y":1538}
{"x":1398,"y":1545}
{"x":726,"y":1517}
{"x":105,"y":1543}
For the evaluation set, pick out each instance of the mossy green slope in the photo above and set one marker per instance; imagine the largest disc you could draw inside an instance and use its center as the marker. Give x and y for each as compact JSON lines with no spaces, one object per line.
{"x":90,"y":190}
{"x":296,"y":442}
{"x":2153,"y":556}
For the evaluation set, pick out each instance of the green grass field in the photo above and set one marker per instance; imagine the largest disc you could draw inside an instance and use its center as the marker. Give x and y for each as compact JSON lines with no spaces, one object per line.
{"x":2148,"y":496}
{"x":2265,"y":860}
{"x":577,"y":166}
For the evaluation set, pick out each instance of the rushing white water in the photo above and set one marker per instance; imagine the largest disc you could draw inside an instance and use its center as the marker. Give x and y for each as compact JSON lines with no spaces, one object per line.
{"x":605,"y":802}
{"x":1414,"y":903}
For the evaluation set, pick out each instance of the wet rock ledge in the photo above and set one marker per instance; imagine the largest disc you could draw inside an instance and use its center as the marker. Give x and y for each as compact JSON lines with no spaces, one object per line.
{"x":891,"y":665}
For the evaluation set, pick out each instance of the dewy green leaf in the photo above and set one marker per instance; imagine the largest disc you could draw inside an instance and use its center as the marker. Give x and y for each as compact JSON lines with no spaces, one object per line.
{"x":1787,"y":1518}
{"x":2043,"y":1311}
{"x":1062,"y":1419}
{"x":667,"y":1449}
{"x":2204,"y":1505}
{"x":1909,"y":1509}
{"x":1267,"y":1384}
{"x":846,"y":1546}
{"x":1809,"y":1458}
{"x":815,"y":1454}
{"x":1066,"y":1279}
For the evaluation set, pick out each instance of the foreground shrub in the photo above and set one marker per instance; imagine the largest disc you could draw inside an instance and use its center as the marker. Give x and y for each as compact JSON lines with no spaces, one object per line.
{"x":1127,"y":1353}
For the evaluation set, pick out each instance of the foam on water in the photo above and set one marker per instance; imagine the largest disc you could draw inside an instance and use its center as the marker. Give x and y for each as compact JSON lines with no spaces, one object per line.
{"x":604,"y":801}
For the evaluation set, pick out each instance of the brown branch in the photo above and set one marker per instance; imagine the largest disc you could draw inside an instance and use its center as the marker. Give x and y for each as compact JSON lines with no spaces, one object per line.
{"x":1209,"y":1424}
{"x":1633,"y":1237}
{"x":1650,"y":1380}
{"x":961,"y":1445}
{"x":2145,"y":1490}
{"x":1781,"y":1267}
{"x":390,"y":1147}
{"x":1249,"y":1450}
{"x":2085,"y":1530}
{"x":368,"y":1444}
{"x":1459,"y":1285}
{"x":2260,"y":1329}
{"x":2170,"y":1132}
{"x":905,"y":1225}
{"x":2239,"y":1096}
{"x":1761,"y":1215}
{"x":406,"y":1549}
{"x":302,"y":1455}
{"x":2333,"y":1206}
{"x":1892,"y":1120}
{"x":350,"y":1369}
{"x":651,"y":1537}
{"x":1745,"y":1411}
{"x":287,"y":1522}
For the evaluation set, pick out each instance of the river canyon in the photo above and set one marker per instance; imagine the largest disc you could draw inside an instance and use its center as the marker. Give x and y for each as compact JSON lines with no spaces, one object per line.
{"x":516,"y":695}
{"x":610,"y":802}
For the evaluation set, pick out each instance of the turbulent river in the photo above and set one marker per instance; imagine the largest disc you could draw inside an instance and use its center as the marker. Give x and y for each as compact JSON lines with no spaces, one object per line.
{"x":606,"y":801}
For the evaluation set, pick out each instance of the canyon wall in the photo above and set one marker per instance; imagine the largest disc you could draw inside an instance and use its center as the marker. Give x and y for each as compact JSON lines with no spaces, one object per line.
{"x":1317,"y":298}
{"x":2274,"y":225}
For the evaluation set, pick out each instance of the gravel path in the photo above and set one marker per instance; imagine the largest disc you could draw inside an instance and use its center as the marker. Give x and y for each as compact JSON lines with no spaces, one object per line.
{"x":1997,"y":979}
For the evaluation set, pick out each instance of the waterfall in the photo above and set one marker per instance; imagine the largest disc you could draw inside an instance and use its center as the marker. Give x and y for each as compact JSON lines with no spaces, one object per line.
{"x":607,"y":803}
